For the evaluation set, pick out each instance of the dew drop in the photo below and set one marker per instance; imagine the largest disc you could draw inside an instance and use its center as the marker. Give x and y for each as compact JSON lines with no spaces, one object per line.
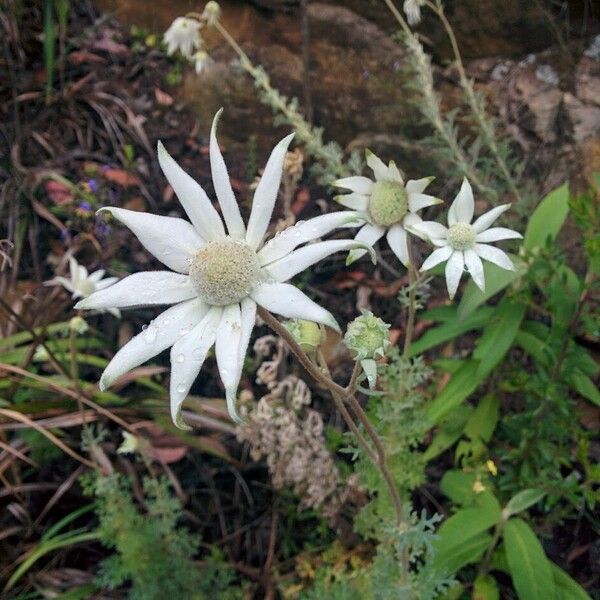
{"x":150,"y":333}
{"x":181,"y":388}
{"x":180,"y":358}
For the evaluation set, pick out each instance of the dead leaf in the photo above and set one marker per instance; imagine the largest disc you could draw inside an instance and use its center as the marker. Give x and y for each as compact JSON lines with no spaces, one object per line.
{"x":110,"y":46}
{"x":162,"y":97}
{"x":59,"y":193}
{"x":79,"y":57}
{"x":301,"y":201}
{"x":121,"y":177}
{"x":136,"y":203}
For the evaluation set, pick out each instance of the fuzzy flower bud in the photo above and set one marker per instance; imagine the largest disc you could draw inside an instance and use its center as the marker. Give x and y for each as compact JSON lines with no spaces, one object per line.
{"x":78,"y":325}
{"x":367,"y":336}
{"x":212,"y":12}
{"x":307,"y":334}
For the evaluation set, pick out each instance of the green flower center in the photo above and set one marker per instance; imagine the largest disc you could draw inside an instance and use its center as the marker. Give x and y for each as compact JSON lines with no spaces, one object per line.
{"x":461,"y":236}
{"x":224,"y":271}
{"x":388,"y":203}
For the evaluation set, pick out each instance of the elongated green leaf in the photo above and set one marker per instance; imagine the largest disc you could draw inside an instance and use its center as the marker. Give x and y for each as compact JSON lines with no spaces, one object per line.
{"x":496,"y":279}
{"x":547,"y":219}
{"x":451,"y":329}
{"x":482,"y":422}
{"x":485,"y":587}
{"x":493,"y":345}
{"x":583,"y":385}
{"x":530,"y":570}
{"x":449,"y":432}
{"x":470,"y":551}
{"x":522,"y":500}
{"x":567,"y":588}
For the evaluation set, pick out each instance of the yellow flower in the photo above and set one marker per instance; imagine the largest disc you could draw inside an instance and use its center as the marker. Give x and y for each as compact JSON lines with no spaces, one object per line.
{"x":478,"y":487}
{"x":491,"y":467}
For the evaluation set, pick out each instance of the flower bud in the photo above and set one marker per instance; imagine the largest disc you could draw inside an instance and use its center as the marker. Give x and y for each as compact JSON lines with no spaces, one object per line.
{"x":212,"y":12}
{"x":367,"y":336}
{"x":78,"y":325}
{"x":307,"y":334}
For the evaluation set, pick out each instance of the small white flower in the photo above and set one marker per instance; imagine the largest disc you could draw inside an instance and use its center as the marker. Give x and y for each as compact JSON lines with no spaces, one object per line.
{"x":412,"y":9}
{"x":183,"y":35}
{"x":386,"y":204}
{"x":220,"y":275}
{"x":211,"y":13}
{"x":464,"y":245}
{"x":82,"y":284}
{"x":201,"y":60}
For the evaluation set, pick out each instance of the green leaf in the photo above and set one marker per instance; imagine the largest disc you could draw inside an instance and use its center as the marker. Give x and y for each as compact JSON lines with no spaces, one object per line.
{"x":496,"y":279}
{"x":483,"y":421}
{"x":469,"y":551}
{"x":449,"y":432}
{"x":529,"y":568}
{"x":567,"y":588}
{"x":494,"y":343}
{"x":584,"y":386}
{"x":450,"y":329}
{"x":547,"y":219}
{"x":458,"y":486}
{"x":485,"y":587}
{"x":521,"y":501}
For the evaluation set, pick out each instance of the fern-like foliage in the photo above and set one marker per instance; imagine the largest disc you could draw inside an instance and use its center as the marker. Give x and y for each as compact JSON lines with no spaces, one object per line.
{"x":153,"y":555}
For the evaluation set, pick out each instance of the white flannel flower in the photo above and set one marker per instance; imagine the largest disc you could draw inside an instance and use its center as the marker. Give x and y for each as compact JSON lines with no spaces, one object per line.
{"x":183,"y":35}
{"x":219,"y":278}
{"x":82,"y":284}
{"x":464,"y":245}
{"x":412,"y":9}
{"x":387,"y":204}
{"x":201,"y":60}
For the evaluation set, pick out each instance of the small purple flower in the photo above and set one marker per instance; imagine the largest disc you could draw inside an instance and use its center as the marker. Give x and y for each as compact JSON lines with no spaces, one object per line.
{"x":93,"y":185}
{"x":85,"y":207}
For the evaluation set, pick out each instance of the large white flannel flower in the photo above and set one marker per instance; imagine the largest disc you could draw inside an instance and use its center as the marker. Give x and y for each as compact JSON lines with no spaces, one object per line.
{"x":220,"y":275}
{"x":82,"y":284}
{"x":464,"y":244}
{"x":387,"y":204}
{"x":183,"y":35}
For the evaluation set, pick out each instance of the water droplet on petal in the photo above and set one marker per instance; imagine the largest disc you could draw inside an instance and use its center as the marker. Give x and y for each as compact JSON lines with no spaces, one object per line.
{"x":180,"y":358}
{"x":181,"y":387}
{"x":150,"y":333}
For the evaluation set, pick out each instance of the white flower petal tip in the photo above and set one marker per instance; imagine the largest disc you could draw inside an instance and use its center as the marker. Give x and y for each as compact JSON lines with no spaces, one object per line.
{"x":231,"y":398}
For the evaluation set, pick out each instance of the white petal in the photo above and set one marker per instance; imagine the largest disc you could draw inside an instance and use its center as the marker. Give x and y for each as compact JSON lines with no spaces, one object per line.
{"x":225,"y":195}
{"x":394,"y":174}
{"x":229,"y":360}
{"x":417,"y":186}
{"x":248,"y":307}
{"x":369,"y":234}
{"x":96,"y":276}
{"x":73,"y":268}
{"x":494,"y":255}
{"x":398,"y":241}
{"x":266,"y":194}
{"x":141,"y":289}
{"x":379,"y":169}
{"x":101,"y":285}
{"x":475,"y":267}
{"x":486,"y":219}
{"x":286,"y":300}
{"x":356,"y":183}
{"x":369,"y":366}
{"x":193,"y":198}
{"x":301,"y":259}
{"x":429,"y":230}
{"x":354,"y":201}
{"x":173,"y":241}
{"x":160,"y":334}
{"x":306,"y":231}
{"x":187,"y":356}
{"x":64,"y":282}
{"x":454,"y":269}
{"x":438,"y":256}
{"x":496,"y":234}
{"x":419,"y":201}
{"x":463,"y":206}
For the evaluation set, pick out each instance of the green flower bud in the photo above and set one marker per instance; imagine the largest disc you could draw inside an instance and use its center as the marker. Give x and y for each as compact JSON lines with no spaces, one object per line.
{"x":307,"y":334}
{"x":367,"y":336}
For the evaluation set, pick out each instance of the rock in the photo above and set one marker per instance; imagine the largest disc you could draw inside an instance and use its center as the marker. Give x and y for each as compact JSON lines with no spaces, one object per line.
{"x":583,"y":118}
{"x":537,"y":104}
{"x":587,"y":81}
